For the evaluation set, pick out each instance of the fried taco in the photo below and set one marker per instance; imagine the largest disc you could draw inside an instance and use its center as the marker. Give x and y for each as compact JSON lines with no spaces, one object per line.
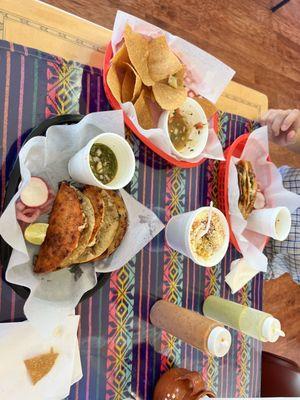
{"x":107,"y":229}
{"x":123,"y":221}
{"x":84,"y":226}
{"x":93,"y":193}
{"x":247,"y":186}
{"x":71,"y":224}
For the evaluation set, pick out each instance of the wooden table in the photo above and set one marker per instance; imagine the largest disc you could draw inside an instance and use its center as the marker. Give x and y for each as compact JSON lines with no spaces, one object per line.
{"x":35,"y":24}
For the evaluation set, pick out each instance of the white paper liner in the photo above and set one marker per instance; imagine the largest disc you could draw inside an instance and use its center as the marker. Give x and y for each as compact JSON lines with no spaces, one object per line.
{"x":256,"y":151}
{"x":206,"y":76}
{"x":20,"y":341}
{"x":55,"y":295}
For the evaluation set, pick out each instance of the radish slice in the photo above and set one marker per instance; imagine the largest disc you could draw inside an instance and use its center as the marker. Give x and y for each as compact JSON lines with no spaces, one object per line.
{"x":29,"y":216}
{"x":45,"y":208}
{"x":35,"y":194}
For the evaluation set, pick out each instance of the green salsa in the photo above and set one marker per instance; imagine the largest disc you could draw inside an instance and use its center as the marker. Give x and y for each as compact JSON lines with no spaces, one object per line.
{"x":179,"y":130}
{"x":103,"y":163}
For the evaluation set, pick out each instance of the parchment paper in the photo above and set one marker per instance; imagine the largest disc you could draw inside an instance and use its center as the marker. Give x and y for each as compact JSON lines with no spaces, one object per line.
{"x":54,"y":295}
{"x":20,"y":341}
{"x":256,"y":151}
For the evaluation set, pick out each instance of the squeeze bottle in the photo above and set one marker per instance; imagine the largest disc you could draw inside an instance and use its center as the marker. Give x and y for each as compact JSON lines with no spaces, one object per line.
{"x":193,"y":328}
{"x":255,"y":323}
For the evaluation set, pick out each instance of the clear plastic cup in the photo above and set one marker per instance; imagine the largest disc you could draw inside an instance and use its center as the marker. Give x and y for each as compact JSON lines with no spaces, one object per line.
{"x":80,"y":169}
{"x":178,"y":236}
{"x":274,"y":222}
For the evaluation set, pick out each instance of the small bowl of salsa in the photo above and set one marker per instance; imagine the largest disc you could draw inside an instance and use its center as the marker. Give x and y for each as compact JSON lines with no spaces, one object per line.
{"x":186,"y":129}
{"x":107,"y":161}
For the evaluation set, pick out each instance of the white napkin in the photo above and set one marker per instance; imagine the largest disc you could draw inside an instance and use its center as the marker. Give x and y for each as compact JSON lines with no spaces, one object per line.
{"x":240,"y":274}
{"x":20,"y":341}
{"x":206,"y":75}
{"x":256,"y":151}
{"x":54,"y":295}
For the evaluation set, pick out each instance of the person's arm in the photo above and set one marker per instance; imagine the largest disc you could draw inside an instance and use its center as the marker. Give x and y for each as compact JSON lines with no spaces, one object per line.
{"x":283,"y":127}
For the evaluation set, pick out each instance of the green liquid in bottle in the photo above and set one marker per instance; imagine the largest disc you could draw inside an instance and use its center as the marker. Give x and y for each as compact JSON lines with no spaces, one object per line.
{"x":239,"y":317}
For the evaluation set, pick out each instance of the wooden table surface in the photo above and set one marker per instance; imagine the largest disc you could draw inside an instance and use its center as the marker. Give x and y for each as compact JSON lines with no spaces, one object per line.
{"x":38,"y":25}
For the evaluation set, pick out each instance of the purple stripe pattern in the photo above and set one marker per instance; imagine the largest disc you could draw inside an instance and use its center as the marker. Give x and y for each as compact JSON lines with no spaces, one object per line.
{"x":121,"y":352}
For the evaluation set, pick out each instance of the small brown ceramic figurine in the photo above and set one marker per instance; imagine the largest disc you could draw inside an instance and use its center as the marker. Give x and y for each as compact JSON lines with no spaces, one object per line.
{"x":181,"y":384}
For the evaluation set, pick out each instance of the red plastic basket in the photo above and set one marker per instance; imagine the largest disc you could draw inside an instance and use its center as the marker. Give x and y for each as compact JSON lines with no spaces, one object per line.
{"x":116,"y":106}
{"x":234,"y":150}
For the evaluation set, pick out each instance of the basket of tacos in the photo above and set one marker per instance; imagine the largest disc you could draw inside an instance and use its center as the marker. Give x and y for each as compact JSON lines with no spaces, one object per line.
{"x":85,"y":225}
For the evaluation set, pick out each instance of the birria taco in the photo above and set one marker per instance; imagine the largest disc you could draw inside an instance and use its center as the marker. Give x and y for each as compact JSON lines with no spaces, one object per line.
{"x":84,"y":225}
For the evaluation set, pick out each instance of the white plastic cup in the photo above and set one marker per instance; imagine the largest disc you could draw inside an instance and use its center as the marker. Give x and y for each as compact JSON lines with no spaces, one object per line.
{"x":178,"y":236}
{"x":80,"y":169}
{"x":198,"y":116}
{"x":274,"y":222}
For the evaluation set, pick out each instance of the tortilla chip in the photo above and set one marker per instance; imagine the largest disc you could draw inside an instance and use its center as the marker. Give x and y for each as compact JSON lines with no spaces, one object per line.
{"x":114,"y":82}
{"x":138,"y":50}
{"x":86,"y":232}
{"x":148,"y":93}
{"x":39,"y":366}
{"x":123,"y":220}
{"x":121,"y":56}
{"x":143,"y":111}
{"x":168,"y":97}
{"x":208,"y":107}
{"x":127,"y":86}
{"x":180,"y":77}
{"x":132,"y":84}
{"x":162,"y":62}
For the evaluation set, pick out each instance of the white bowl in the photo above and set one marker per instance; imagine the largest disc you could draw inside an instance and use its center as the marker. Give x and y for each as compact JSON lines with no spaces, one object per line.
{"x":178,"y":236}
{"x":80,"y":169}
{"x":198,"y":115}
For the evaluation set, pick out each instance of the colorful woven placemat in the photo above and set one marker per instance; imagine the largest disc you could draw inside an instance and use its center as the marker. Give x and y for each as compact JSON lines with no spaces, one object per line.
{"x":122,"y":354}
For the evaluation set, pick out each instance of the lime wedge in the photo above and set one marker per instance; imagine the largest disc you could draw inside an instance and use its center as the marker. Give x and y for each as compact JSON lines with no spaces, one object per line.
{"x":36,"y":233}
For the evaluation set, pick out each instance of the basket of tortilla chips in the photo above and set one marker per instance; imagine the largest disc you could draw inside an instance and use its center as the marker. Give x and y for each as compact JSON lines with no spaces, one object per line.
{"x":146,"y":77}
{"x":122,"y":83}
{"x":248,"y":185}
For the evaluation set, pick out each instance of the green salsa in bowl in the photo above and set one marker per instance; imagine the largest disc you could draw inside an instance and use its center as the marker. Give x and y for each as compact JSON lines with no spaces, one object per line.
{"x":107,"y":161}
{"x":103,"y":162}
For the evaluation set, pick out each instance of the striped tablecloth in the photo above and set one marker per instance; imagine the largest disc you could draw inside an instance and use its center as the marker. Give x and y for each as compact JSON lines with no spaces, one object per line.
{"x":122,"y":354}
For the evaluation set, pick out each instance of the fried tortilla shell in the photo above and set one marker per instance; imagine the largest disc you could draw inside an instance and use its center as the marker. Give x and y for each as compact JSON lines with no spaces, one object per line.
{"x":115,"y":78}
{"x":247,"y":186}
{"x":63,"y":233}
{"x":93,"y":193}
{"x":162,"y":62}
{"x":208,"y":107}
{"x":86,"y":232}
{"x":168,"y":97}
{"x":143,"y":111}
{"x":123,"y":221}
{"x":138,"y":51}
{"x":107,"y":230}
{"x":121,"y":56}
